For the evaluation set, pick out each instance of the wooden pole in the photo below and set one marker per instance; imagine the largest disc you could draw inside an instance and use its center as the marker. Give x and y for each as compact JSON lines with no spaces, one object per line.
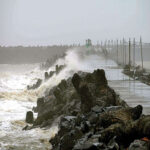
{"x":134,"y":52}
{"x":105,"y":47}
{"x":129,"y":54}
{"x":117,"y":51}
{"x":120,"y":51}
{"x":112,"y":46}
{"x":141,"y":52}
{"x":105,"y":44}
{"x":108,"y":45}
{"x":123,"y":52}
{"x":112,"y":43}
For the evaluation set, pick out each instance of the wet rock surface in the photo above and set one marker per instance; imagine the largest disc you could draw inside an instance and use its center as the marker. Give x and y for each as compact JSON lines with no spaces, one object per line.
{"x":139,"y":145}
{"x":91,"y":116}
{"x":35,"y":86}
{"x":29,"y":117}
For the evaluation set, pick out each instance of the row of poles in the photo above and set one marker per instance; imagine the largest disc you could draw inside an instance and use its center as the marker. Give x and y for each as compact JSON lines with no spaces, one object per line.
{"x":108,"y":47}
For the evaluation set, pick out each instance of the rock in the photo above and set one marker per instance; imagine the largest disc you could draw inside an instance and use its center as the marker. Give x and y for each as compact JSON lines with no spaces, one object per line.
{"x":46,"y":75}
{"x":55,"y":141}
{"x":59,"y":68}
{"x":89,"y":78}
{"x":29,"y":117}
{"x":56,"y":68}
{"x":58,"y":94}
{"x":144,"y":126}
{"x":85,"y":126}
{"x":34,"y":109}
{"x":80,"y":118}
{"x":88,"y":142}
{"x":100,"y":78}
{"x":27,"y":127}
{"x":68,"y":118}
{"x":86,"y":98}
{"x":76,"y":80}
{"x":139,"y":145}
{"x":97,"y":109}
{"x":87,"y":146}
{"x":136,"y":112}
{"x":112,"y":108}
{"x":66,"y":124}
{"x":74,"y":112}
{"x":36,"y":85}
{"x":40,"y":103}
{"x":113,"y":145}
{"x":51,"y":73}
{"x":62,"y":85}
{"x":130,"y":131}
{"x":120,"y":116}
{"x":93,"y":118}
{"x":108,"y":133}
{"x":68,"y":140}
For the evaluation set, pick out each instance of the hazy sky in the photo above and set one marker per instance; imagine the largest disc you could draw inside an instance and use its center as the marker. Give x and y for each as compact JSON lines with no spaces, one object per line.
{"x":47,"y":22}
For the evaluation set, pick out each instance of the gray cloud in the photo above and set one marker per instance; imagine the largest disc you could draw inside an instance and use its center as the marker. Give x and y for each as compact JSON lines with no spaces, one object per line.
{"x":47,"y":22}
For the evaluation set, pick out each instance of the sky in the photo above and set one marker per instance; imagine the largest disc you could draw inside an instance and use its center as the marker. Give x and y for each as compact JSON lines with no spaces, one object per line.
{"x":49,"y":22}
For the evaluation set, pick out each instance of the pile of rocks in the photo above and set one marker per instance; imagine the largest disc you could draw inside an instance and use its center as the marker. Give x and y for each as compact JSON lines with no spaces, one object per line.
{"x":112,"y":128}
{"x":92,"y":116}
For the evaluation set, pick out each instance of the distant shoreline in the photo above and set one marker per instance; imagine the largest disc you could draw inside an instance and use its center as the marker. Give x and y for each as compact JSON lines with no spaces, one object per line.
{"x":28,"y":55}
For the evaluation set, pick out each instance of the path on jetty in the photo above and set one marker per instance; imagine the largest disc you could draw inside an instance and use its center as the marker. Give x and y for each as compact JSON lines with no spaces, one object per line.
{"x":133,"y":92}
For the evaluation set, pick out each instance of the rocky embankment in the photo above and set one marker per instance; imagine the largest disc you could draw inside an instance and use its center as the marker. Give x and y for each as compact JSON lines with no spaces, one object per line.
{"x":91,"y":116}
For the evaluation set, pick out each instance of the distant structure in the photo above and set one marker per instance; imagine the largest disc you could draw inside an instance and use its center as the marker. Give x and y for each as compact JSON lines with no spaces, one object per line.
{"x":88,"y":43}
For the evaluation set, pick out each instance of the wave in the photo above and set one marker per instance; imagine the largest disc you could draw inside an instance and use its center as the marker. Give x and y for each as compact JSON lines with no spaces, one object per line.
{"x":76,"y":59}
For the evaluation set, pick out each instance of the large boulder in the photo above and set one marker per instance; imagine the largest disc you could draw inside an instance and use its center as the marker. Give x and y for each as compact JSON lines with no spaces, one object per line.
{"x":86,"y":98}
{"x":29,"y":117}
{"x":46,"y":75}
{"x":100,"y":78}
{"x":122,"y":115}
{"x":76,"y":80}
{"x":139,"y":145}
{"x":40,"y":103}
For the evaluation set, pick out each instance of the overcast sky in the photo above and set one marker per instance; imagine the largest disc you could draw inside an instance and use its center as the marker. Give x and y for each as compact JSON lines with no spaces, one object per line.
{"x":48,"y":22}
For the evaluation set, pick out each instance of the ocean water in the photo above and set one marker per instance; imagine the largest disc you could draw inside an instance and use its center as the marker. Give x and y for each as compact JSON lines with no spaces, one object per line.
{"x":15,"y":101}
